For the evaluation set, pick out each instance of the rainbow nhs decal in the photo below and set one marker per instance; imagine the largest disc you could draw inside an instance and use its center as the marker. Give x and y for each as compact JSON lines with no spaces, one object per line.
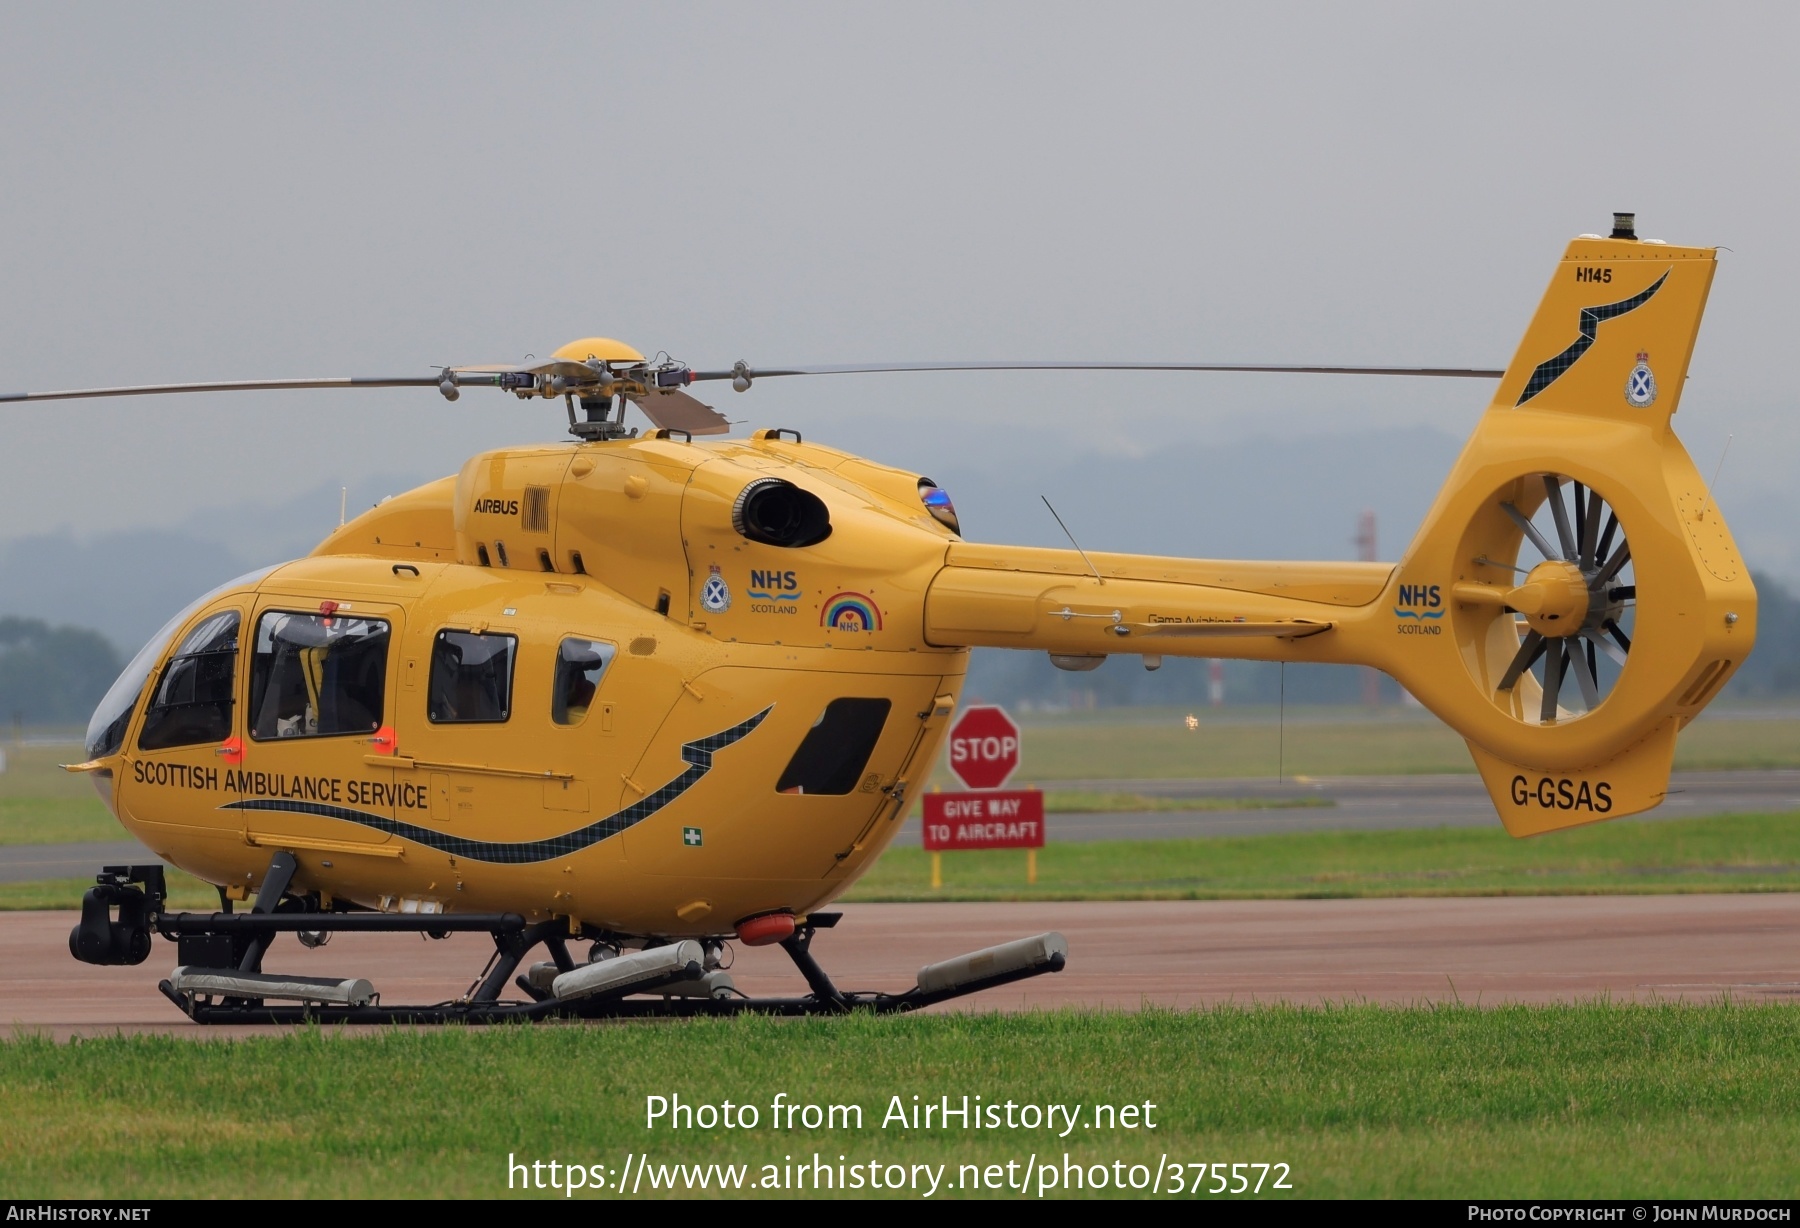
{"x":851,"y":612}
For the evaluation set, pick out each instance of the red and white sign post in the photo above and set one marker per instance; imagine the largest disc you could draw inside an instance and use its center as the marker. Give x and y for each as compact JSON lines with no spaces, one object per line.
{"x":984,"y":753}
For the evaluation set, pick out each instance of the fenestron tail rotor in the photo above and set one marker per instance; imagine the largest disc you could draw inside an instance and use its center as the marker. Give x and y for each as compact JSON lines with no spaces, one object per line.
{"x":1570,"y":616}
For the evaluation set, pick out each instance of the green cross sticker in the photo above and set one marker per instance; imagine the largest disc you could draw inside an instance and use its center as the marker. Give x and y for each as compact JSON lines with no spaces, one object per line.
{"x":691,"y":836}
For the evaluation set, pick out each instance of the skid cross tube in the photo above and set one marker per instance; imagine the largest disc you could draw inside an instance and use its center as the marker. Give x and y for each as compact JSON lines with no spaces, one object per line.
{"x":268,"y":898}
{"x":823,"y":991}
{"x":174,"y":925}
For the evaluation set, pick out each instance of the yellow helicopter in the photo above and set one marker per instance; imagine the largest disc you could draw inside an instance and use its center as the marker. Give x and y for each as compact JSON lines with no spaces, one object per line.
{"x":657,"y":692}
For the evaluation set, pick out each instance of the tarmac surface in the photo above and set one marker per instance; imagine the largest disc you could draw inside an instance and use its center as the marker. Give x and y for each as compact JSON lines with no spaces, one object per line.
{"x":1350,"y":803}
{"x":1177,"y":953}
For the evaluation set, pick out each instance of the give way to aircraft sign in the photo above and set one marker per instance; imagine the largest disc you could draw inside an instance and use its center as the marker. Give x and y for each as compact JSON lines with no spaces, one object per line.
{"x":984,"y":752}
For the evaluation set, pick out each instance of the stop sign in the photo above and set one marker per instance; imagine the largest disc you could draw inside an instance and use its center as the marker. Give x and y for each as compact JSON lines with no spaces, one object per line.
{"x":984,"y":747}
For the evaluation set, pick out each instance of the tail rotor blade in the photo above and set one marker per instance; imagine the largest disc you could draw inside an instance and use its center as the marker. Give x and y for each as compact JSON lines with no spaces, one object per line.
{"x":1613,"y":564}
{"x":1530,"y":530}
{"x":1589,"y":518}
{"x":1584,"y":674}
{"x":1564,"y":534}
{"x":1529,"y":651}
{"x":1618,"y":633}
{"x":1613,"y":652}
{"x":1604,"y":545}
{"x":1553,"y":676}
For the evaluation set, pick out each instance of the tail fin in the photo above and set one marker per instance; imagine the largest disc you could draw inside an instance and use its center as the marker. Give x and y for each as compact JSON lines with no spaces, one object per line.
{"x":1613,"y":333}
{"x":1594,"y":596}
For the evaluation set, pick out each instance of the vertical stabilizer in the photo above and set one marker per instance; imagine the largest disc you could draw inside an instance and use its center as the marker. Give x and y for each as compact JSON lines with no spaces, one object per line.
{"x":1614,"y":331}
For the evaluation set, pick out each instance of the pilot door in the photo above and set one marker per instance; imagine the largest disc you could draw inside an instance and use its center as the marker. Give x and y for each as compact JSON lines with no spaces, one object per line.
{"x":316,"y":771}
{"x":176,"y":772}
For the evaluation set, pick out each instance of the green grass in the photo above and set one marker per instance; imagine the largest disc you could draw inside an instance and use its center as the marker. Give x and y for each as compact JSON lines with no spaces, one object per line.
{"x":186,"y":893}
{"x":1723,"y":853}
{"x":41,"y":804}
{"x":57,"y":820}
{"x":1666,"y":1101}
{"x":1129,"y":744}
{"x":1080,"y":801}
{"x":1755,"y":852}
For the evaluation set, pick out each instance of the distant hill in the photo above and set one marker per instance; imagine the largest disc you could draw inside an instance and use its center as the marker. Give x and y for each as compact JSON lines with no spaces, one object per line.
{"x":127,"y":584}
{"x":1256,"y":498}
{"x":52,"y":675}
{"x":1261,"y":498}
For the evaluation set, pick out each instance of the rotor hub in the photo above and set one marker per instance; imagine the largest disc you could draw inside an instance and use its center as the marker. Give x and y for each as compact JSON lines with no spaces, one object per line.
{"x":1554,"y":599}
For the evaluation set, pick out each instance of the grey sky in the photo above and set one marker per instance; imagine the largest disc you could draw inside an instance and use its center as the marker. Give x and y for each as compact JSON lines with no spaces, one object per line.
{"x":216,"y":191}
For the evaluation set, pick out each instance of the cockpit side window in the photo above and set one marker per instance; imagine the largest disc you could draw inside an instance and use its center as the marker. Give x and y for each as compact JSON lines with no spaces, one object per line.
{"x":106,"y":730}
{"x":315,"y":675}
{"x":193,"y":699}
{"x":471,"y":677}
{"x":580,"y":664}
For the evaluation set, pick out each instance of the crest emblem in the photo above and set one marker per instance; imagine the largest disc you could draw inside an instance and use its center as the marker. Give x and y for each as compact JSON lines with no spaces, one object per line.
{"x":715,"y":594}
{"x":1640,"y":386}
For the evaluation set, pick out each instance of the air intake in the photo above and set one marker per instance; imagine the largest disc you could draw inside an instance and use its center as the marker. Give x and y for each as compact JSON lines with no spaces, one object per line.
{"x":775,"y":512}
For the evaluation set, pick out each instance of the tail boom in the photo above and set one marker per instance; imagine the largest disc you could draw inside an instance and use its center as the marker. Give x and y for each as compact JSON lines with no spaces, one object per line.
{"x":1578,"y":427}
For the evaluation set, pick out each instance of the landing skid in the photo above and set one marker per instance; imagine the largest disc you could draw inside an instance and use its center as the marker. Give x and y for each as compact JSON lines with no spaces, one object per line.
{"x":221,"y":980}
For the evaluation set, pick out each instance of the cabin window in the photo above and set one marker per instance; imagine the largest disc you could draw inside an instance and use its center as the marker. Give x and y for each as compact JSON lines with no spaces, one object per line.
{"x":579,"y":667}
{"x":315,"y":675}
{"x":471,"y":677}
{"x":836,"y":749}
{"x":192,"y":701}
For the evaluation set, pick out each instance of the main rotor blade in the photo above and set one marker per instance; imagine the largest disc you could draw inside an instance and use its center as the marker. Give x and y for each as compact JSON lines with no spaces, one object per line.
{"x":756,"y":373}
{"x":680,"y":412}
{"x":248,"y":385}
{"x":460,"y":375}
